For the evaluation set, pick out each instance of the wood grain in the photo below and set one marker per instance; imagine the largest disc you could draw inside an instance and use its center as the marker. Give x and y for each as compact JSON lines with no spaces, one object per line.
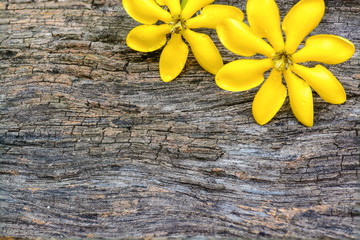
{"x":94,"y":144}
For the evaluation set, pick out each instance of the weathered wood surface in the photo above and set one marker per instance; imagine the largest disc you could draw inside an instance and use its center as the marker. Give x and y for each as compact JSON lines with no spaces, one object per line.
{"x":93,"y":143}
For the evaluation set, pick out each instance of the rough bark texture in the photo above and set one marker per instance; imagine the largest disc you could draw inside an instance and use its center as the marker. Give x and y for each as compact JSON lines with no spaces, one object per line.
{"x":93,"y":143}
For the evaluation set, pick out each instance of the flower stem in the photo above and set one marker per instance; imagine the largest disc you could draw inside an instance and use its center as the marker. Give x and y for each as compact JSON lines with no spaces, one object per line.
{"x":183,"y":3}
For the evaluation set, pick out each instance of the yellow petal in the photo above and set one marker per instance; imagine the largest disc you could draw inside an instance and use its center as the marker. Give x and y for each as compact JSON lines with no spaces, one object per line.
{"x":264,"y":20}
{"x":204,"y":50}
{"x":148,"y":38}
{"x":213,"y":14}
{"x":241,"y":75}
{"x":239,"y":38}
{"x":173,"y":58}
{"x":301,"y":100}
{"x":192,"y":6}
{"x":300,"y":21}
{"x":173,"y":5}
{"x":146,"y":11}
{"x":329,"y":49}
{"x":323,"y":82}
{"x":269,"y":99}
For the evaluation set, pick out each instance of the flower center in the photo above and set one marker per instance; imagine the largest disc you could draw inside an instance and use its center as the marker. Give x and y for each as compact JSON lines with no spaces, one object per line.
{"x":282,"y":60}
{"x":178,"y":24}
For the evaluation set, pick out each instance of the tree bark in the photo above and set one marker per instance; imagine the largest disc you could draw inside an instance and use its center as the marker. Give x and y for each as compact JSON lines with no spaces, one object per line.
{"x":94,"y":144}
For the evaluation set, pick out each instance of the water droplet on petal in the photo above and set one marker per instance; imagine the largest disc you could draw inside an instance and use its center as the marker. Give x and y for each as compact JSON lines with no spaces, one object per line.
{"x":167,"y":78}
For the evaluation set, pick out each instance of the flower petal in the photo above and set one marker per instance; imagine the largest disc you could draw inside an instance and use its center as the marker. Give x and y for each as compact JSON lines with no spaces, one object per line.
{"x":146,"y":11}
{"x":301,"y":100}
{"x":213,"y":14}
{"x":173,"y":5}
{"x":192,"y":6}
{"x":269,"y":99}
{"x":241,"y":75}
{"x":240,"y":39}
{"x":300,"y":21}
{"x":264,"y":20}
{"x":147,"y":38}
{"x":329,"y":49}
{"x":173,"y":58}
{"x":204,"y":50}
{"x":323,"y":82}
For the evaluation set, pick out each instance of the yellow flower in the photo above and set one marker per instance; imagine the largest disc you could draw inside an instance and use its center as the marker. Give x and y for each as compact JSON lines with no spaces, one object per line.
{"x":178,"y":22}
{"x":264,"y":19}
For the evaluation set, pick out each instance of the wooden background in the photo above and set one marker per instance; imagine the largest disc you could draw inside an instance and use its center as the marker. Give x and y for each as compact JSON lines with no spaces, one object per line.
{"x":94,"y":144}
